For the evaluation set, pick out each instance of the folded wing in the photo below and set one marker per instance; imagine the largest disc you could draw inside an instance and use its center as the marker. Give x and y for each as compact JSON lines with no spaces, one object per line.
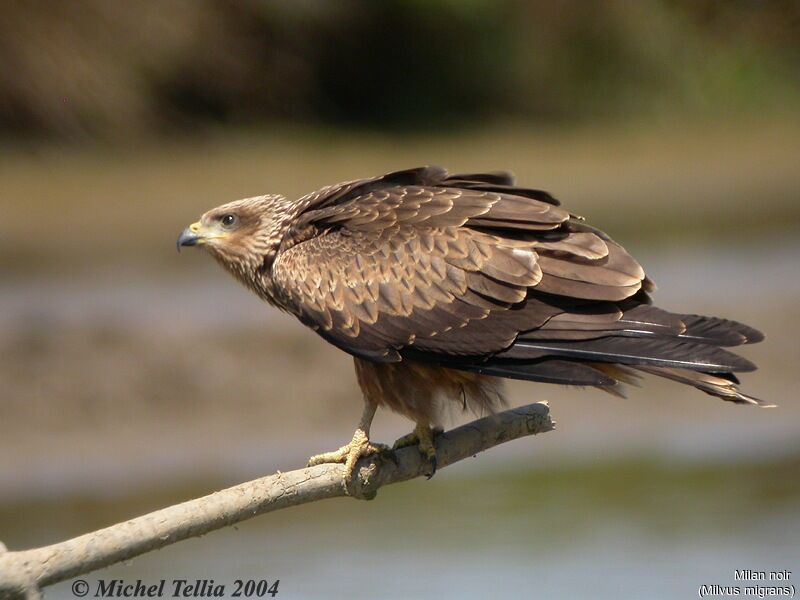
{"x":474,"y":273}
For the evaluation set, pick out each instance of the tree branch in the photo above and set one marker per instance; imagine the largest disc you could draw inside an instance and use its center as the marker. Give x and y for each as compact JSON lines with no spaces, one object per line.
{"x":23,"y":574}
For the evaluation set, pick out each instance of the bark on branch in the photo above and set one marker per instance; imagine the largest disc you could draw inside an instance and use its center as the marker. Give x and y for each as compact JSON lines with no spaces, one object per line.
{"x":24,"y":573}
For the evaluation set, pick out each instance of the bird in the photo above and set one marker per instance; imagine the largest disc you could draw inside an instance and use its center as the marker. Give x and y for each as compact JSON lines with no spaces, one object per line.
{"x":441,"y":286}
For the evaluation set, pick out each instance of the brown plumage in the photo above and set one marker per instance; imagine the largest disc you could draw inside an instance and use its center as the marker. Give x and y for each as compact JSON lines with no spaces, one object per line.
{"x":439,"y":284}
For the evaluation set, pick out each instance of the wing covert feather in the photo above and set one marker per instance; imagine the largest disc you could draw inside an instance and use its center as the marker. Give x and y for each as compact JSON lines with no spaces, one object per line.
{"x":447,"y":264}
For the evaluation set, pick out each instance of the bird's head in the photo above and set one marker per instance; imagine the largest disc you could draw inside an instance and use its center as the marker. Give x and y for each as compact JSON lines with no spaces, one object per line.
{"x":240,"y":234}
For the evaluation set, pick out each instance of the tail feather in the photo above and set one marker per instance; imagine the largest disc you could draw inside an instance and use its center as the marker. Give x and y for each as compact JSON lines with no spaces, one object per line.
{"x":609,"y":344}
{"x":713,"y":384}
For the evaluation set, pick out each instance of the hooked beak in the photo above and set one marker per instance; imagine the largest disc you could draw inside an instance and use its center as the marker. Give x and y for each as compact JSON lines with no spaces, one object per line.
{"x":190,"y":236}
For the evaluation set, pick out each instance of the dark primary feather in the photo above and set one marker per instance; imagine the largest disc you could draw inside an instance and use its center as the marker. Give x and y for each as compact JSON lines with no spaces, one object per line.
{"x":656,"y":351}
{"x":471,"y":272}
{"x":548,"y":371}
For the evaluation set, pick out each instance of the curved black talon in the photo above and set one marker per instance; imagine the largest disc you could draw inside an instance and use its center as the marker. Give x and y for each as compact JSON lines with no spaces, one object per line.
{"x":433,"y":469}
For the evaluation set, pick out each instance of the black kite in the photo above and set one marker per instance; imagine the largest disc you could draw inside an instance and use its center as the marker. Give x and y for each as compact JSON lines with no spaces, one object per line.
{"x":440,"y":285}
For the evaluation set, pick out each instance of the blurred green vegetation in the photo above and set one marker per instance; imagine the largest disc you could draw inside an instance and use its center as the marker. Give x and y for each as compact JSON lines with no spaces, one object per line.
{"x":116,"y":70}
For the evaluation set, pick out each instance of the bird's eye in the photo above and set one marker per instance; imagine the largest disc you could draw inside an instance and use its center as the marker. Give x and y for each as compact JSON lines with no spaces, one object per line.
{"x":228,"y":220}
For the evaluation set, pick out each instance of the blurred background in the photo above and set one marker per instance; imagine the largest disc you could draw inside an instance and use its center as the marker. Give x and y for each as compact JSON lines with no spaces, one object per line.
{"x":132,"y":377}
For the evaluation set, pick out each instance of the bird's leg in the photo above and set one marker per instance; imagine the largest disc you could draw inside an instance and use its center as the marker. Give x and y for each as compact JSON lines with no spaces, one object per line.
{"x":359,"y":446}
{"x":422,"y":435}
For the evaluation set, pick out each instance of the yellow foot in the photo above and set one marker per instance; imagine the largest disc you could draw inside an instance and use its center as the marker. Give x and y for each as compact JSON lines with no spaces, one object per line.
{"x":358,"y":447}
{"x":422,"y":436}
